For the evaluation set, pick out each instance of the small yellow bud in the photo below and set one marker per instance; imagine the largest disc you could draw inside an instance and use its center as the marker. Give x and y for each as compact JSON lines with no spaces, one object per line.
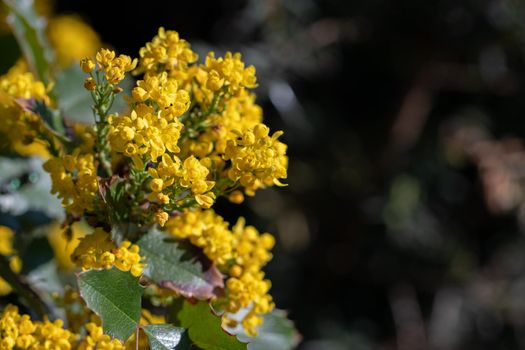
{"x":157,"y":185}
{"x":214,"y":82}
{"x":90,"y":84}
{"x":87,"y":65}
{"x":136,"y":270}
{"x":139,"y":94}
{"x":162,"y":198}
{"x":236,"y":197}
{"x":235,"y":271}
{"x":161,"y":217}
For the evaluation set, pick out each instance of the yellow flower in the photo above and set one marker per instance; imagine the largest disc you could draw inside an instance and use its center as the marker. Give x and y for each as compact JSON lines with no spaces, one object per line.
{"x":87,"y":65}
{"x":161,"y":217}
{"x":90,"y":84}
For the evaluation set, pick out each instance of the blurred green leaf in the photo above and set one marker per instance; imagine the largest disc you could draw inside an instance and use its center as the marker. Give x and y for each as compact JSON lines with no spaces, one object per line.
{"x":24,"y":186}
{"x":171,"y":266}
{"x":115,"y":296}
{"x":29,"y":30}
{"x":205,"y":329}
{"x":164,"y":336}
{"x":276,"y":333}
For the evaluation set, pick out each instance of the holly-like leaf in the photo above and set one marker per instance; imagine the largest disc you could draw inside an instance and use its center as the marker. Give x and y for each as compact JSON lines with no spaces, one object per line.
{"x":171,"y":266}
{"x":276,"y":333}
{"x":205,"y":330}
{"x":115,"y":296}
{"x":164,"y":336}
{"x":29,"y":30}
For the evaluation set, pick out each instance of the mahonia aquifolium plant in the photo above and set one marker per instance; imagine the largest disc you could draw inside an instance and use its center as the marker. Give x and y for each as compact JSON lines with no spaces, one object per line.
{"x":141,"y":258}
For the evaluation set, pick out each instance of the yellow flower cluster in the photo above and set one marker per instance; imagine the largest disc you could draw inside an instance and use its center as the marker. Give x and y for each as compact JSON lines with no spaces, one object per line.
{"x":228,"y":72}
{"x":114,"y":67}
{"x":152,"y":127}
{"x":19,"y":332}
{"x":190,"y":174}
{"x":207,"y":230}
{"x":247,"y":287}
{"x":242,"y":252}
{"x":257,"y":159}
{"x":96,"y":339}
{"x":239,"y":114}
{"x":20,"y":128}
{"x":72,"y":39}
{"x":97,"y":251}
{"x":74,"y":179}
{"x":166,"y":52}
{"x":6,"y":249}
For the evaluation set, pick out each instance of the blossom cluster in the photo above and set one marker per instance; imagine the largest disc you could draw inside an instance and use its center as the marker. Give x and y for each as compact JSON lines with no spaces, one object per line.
{"x":189,"y":134}
{"x":98,"y":251}
{"x":19,"y":332}
{"x":241,"y":252}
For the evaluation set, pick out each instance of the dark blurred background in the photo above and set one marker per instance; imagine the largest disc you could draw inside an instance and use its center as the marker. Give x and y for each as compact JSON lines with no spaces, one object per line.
{"x":403,"y":223}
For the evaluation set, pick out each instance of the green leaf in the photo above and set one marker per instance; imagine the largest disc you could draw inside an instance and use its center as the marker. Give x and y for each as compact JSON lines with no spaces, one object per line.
{"x":170,"y":265}
{"x":205,"y":330}
{"x":276,"y":333}
{"x":24,"y":186}
{"x":76,"y":102}
{"x":115,"y":296}
{"x":163,"y":336}
{"x":29,"y":30}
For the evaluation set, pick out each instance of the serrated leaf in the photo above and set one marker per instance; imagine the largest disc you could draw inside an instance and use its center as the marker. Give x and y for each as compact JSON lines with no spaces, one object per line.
{"x":164,"y":336}
{"x":75,"y":101}
{"x":115,"y":296}
{"x":276,"y":333}
{"x":205,"y":330}
{"x":29,"y":30}
{"x":170,"y":265}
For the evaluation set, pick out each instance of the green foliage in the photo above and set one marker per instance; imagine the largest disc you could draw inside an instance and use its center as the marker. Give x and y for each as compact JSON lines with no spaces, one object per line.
{"x":164,"y":336}
{"x":205,"y":330}
{"x":29,"y":30}
{"x":170,"y":265}
{"x":276,"y":333}
{"x":116,"y":297}
{"x":25,"y":186}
